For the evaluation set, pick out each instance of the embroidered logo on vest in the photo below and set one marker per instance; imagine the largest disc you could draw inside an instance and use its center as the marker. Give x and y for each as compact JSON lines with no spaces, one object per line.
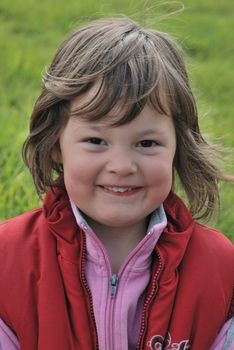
{"x":158,"y":342}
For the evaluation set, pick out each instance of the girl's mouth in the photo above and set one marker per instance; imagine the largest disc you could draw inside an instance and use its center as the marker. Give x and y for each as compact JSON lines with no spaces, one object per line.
{"x":121,"y":190}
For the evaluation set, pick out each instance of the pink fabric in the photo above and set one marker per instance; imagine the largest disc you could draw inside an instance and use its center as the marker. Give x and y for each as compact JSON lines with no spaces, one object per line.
{"x":118,"y":319}
{"x":220,"y":340}
{"x":8,"y":340}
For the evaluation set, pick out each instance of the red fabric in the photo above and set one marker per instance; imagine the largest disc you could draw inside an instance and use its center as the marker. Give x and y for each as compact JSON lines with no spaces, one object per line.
{"x":45,"y":299}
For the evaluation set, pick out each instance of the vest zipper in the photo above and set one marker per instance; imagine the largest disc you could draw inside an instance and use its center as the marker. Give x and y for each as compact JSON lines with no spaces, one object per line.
{"x":113,"y":284}
{"x":86,"y":286}
{"x":148,"y":301}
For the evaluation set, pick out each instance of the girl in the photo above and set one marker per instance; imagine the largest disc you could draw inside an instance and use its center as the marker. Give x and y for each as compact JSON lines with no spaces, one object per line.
{"x":114,"y":259}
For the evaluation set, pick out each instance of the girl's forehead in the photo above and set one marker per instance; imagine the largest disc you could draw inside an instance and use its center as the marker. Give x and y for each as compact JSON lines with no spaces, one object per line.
{"x":92,"y":94}
{"x":84,"y":98}
{"x":148,"y":119}
{"x":115,"y":113}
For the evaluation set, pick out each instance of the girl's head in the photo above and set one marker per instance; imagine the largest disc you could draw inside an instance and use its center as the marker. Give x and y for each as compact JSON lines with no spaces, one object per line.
{"x":127,"y":67}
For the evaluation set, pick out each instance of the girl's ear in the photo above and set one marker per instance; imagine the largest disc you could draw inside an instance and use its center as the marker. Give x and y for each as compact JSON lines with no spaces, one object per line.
{"x":56,"y":154}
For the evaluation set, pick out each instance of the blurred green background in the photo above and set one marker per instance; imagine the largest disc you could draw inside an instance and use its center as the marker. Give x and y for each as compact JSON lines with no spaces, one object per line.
{"x":30,"y":32}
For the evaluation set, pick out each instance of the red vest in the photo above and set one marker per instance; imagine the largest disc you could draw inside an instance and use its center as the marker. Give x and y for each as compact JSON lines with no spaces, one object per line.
{"x":44,"y":296}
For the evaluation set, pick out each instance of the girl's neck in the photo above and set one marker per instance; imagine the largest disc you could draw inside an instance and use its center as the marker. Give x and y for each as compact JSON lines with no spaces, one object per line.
{"x":119,"y":242}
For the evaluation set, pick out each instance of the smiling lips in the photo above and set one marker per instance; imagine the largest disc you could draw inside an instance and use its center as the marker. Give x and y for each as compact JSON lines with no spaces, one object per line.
{"x":121,"y":190}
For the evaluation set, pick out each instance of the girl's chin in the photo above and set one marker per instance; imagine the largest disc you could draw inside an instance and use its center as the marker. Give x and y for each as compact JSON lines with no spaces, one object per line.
{"x":117,"y":222}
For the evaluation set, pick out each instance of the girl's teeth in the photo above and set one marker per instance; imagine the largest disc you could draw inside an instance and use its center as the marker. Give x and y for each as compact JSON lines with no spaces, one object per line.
{"x":118,"y":189}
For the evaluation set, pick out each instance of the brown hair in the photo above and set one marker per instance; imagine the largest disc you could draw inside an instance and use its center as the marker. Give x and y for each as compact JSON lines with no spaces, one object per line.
{"x":138,"y":66}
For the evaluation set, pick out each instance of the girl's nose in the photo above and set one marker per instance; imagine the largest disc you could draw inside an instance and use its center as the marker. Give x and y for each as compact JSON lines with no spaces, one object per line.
{"x":122,"y":164}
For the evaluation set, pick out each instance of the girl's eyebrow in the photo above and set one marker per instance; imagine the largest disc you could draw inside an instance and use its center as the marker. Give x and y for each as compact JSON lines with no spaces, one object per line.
{"x":101,"y":127}
{"x":93,"y":127}
{"x":149,"y":132}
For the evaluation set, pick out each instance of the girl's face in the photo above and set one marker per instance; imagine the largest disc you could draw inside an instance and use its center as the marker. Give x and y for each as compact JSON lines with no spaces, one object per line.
{"x":118,"y":175}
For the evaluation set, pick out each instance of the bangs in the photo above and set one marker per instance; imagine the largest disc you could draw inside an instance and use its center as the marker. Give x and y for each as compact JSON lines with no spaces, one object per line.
{"x":123,"y":93}
{"x":131,"y":67}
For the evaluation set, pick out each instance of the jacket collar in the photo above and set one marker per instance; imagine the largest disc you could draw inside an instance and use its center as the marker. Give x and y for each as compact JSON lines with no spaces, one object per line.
{"x":172,"y":243}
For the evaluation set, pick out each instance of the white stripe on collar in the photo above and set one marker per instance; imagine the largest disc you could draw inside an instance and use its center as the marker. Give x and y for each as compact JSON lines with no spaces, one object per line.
{"x":158,"y":216}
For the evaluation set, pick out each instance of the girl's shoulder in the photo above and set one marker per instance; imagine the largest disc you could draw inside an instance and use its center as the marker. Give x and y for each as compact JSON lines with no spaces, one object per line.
{"x":212,"y":240}
{"x":212,"y":254}
{"x":22,"y":217}
{"x":20,"y":225}
{"x":19,"y":238}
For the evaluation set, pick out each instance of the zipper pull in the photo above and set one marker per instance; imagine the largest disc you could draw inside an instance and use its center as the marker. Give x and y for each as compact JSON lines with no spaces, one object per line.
{"x":113,"y":284}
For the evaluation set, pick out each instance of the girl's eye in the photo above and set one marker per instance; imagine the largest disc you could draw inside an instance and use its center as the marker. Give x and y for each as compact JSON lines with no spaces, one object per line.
{"x":147,"y":143}
{"x":95,"y":141}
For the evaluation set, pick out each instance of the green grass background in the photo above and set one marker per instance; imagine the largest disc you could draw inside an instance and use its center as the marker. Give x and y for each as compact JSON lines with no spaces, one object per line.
{"x":30,"y":32}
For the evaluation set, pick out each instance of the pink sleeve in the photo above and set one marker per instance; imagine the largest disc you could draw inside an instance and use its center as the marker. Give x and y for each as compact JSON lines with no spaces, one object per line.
{"x":225,"y":339}
{"x":8,"y":340}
